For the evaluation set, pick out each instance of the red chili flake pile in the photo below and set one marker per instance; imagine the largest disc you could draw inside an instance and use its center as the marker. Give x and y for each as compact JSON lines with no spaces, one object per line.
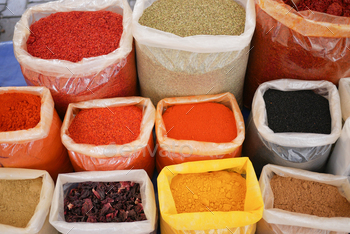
{"x":75,"y":35}
{"x":104,"y":202}
{"x":19,"y":111}
{"x":103,"y":126}
{"x":332,"y":7}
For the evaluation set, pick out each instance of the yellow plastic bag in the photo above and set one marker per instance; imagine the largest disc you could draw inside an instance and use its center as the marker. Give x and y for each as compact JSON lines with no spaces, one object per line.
{"x":236,"y":222}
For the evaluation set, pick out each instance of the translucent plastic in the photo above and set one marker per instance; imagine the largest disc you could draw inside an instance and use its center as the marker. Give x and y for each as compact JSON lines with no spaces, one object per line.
{"x":276,"y":221}
{"x":39,"y":223}
{"x":138,"y":154}
{"x":237,"y":222}
{"x":300,"y":150}
{"x":172,"y":66}
{"x":171,"y":151}
{"x":306,"y":45}
{"x":139,"y":227}
{"x":39,"y":147}
{"x":104,"y":76}
{"x":344,"y":93}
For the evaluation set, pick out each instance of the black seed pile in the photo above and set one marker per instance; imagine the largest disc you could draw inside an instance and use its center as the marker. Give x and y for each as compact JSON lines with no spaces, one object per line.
{"x":301,"y":111}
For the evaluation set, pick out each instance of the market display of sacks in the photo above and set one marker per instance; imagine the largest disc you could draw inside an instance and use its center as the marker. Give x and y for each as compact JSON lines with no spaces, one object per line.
{"x":306,"y":44}
{"x":277,"y":220}
{"x":303,"y":148}
{"x":39,"y":147}
{"x":174,"y":151}
{"x":170,"y":65}
{"x":137,"y":154}
{"x":105,"y":76}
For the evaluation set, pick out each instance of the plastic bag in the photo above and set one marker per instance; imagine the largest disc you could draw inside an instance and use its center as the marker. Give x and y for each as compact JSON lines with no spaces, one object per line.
{"x":236,"y":222}
{"x":104,"y":76}
{"x":300,"y":150}
{"x":286,"y":222}
{"x":138,"y":154}
{"x":39,"y":223}
{"x":344,"y":93}
{"x":171,"y":151}
{"x":138,"y":227}
{"x":172,"y":66}
{"x":339,"y":161}
{"x":39,"y":147}
{"x":306,"y":45}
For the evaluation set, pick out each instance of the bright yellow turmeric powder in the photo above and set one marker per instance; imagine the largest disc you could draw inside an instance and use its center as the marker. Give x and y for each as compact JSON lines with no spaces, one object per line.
{"x":208,"y":192}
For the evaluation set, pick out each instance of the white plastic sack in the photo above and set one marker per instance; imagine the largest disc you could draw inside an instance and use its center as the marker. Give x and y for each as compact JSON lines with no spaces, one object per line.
{"x":39,"y":223}
{"x":308,"y":151}
{"x":172,"y":66}
{"x":138,"y":227}
{"x":344,"y":93}
{"x":339,"y":161}
{"x":286,"y":222}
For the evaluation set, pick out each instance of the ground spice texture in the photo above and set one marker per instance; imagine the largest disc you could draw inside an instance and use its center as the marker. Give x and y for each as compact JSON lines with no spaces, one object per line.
{"x":209,"y":191}
{"x":308,"y":197}
{"x":332,"y":7}
{"x":19,"y":111}
{"x":18,"y":201}
{"x":104,"y":126}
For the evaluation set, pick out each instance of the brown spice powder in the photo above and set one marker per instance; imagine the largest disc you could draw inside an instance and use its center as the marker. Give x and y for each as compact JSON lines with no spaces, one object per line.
{"x":308,"y":197}
{"x":18,"y":201}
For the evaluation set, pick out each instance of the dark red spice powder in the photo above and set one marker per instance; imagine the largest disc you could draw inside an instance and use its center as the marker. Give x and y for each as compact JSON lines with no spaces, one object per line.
{"x":75,"y":35}
{"x":19,"y":111}
{"x":332,"y":7}
{"x":104,"y":126}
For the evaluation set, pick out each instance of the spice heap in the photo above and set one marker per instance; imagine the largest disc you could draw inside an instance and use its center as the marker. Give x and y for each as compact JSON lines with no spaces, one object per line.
{"x":104,"y":202}
{"x":297,"y":111}
{"x":209,"y":191}
{"x":19,"y":111}
{"x":75,"y":35}
{"x":308,"y":197}
{"x":332,"y":7}
{"x":103,"y":126}
{"x":18,"y":201}
{"x":195,"y":17}
{"x":208,"y":122}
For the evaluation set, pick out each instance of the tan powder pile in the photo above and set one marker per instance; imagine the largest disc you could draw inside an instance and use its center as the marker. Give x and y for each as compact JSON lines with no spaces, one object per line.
{"x":209,"y":192}
{"x":18,"y":201}
{"x":308,"y":197}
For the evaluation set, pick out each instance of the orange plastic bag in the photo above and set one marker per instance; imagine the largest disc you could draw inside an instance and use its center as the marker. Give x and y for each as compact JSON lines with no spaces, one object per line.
{"x":305,"y":45}
{"x":39,"y":147}
{"x":171,"y":151}
{"x":137,"y":154}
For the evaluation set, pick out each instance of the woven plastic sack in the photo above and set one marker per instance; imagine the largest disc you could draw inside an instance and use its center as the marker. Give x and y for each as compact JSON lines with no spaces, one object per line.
{"x":306,"y":45}
{"x":307,"y":151}
{"x":39,"y":147}
{"x":138,"y":154}
{"x":344,"y":93}
{"x":237,"y":222}
{"x":277,"y":221}
{"x":171,"y":151}
{"x":104,"y":76}
{"x":172,"y":66}
{"x":66,"y":181}
{"x":39,"y":223}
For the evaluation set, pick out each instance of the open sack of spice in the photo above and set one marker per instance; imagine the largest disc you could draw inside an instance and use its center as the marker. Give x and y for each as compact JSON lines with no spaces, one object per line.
{"x":299,"y":201}
{"x":110,"y":134}
{"x":116,"y":202}
{"x":79,"y":50}
{"x":198,"y":128}
{"x":293,"y":123}
{"x":214,"y":196}
{"x":192,"y":47}
{"x":25,"y":199}
{"x":344,"y":93}
{"x":298,"y":39}
{"x":30,"y":131}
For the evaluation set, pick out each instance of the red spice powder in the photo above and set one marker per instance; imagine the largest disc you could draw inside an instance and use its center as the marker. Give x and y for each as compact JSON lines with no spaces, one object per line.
{"x":208,"y":122}
{"x":103,"y":126}
{"x":75,"y":35}
{"x":19,"y":111}
{"x":332,"y":7}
